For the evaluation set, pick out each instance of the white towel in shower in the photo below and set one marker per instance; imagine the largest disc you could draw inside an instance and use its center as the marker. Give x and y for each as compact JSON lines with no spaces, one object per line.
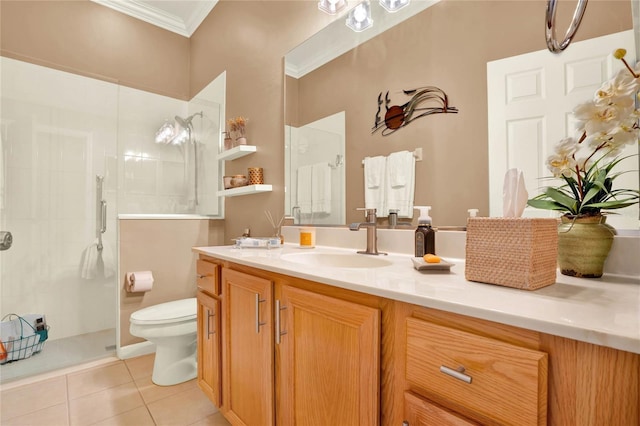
{"x":89,"y":262}
{"x":400,"y":180}
{"x":321,"y":188}
{"x":98,"y":263}
{"x":374,"y":184}
{"x":304,"y":189}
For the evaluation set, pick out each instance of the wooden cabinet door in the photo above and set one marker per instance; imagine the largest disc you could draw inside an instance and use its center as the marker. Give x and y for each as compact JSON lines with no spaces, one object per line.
{"x":209,"y":351}
{"x":329,"y":360}
{"x":420,"y":412}
{"x":248,"y":366}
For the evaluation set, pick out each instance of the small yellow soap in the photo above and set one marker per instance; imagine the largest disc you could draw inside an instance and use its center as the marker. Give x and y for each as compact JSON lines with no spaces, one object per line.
{"x":431,"y":258}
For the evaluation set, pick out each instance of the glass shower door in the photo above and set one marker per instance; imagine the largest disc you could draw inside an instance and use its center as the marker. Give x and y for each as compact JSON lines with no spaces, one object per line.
{"x":58,"y":134}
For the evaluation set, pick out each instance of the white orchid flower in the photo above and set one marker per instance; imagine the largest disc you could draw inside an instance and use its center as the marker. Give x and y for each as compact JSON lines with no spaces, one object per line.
{"x":593,"y":118}
{"x":618,"y":89}
{"x":561,"y":162}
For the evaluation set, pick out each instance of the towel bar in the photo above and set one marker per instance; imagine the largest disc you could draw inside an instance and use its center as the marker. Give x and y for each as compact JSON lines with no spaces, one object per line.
{"x":416,"y":153}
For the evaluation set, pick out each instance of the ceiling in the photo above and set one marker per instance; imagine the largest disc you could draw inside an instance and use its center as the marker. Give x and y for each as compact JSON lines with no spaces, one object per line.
{"x":180,"y":16}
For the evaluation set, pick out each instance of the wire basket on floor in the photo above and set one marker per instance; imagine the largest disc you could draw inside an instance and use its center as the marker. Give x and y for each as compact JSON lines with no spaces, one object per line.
{"x":19,"y":339}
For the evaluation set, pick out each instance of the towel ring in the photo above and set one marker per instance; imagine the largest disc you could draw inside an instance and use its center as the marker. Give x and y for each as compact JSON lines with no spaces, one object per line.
{"x":552,"y":43}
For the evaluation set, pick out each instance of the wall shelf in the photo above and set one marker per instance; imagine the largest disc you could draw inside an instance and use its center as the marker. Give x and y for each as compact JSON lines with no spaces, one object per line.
{"x":237,"y":152}
{"x":245,"y":190}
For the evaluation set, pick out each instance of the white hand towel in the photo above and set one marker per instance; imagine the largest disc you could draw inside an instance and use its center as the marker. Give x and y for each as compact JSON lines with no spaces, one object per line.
{"x":401,"y":197}
{"x":89,"y":262}
{"x":375,"y":172}
{"x":321,"y":188}
{"x":304,"y":189}
{"x":397,"y":164}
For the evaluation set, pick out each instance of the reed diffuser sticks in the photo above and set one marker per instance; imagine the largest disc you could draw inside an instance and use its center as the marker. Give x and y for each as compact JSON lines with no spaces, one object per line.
{"x":276,"y":228}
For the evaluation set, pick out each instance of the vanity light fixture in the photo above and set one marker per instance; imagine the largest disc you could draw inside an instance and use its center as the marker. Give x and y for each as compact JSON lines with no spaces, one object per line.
{"x":359,"y":18}
{"x":166,"y":132}
{"x":393,"y":5}
{"x":332,"y":7}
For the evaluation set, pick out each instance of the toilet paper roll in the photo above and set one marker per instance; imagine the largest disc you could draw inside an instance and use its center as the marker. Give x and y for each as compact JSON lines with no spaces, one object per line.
{"x":139,"y":281}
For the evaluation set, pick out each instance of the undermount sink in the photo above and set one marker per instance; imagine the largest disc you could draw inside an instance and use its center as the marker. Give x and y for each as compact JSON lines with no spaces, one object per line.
{"x":336,"y":260}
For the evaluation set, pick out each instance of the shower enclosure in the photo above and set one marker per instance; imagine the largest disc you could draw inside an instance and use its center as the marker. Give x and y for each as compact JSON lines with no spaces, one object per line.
{"x":75,"y":153}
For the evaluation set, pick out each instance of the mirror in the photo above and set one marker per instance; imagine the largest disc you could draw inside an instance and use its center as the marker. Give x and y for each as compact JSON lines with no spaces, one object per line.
{"x":315,"y":158}
{"x":445,"y":44}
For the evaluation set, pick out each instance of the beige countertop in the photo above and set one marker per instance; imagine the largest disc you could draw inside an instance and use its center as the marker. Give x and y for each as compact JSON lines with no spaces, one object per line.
{"x":603,"y":311}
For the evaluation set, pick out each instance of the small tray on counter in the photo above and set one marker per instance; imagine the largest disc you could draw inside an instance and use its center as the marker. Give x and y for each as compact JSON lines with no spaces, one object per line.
{"x":259,"y":242}
{"x":421,"y":265}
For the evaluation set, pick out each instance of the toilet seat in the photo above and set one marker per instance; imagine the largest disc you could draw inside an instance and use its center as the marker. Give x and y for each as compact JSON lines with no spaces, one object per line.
{"x":166,"y":313}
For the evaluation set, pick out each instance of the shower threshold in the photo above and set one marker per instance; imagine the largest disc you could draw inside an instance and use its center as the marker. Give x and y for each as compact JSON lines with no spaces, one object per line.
{"x":62,"y":353}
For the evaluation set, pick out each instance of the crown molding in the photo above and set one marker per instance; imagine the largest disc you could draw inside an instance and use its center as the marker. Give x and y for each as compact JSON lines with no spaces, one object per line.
{"x":161,"y":18}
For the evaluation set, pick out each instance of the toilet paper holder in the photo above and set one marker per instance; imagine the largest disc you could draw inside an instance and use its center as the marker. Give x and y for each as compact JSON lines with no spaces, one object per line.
{"x":139,"y":281}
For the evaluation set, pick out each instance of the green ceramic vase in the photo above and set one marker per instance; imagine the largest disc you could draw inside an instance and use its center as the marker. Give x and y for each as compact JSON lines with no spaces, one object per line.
{"x":584,"y":243}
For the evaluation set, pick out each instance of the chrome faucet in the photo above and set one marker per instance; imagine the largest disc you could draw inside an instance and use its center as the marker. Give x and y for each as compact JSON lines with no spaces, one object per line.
{"x":372,"y":228}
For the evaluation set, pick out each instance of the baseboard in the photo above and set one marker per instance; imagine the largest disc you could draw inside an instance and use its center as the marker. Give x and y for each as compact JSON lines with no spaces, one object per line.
{"x":137,"y":349}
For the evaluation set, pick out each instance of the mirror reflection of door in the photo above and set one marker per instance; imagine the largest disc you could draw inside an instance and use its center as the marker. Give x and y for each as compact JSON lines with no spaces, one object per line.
{"x":531,"y":98}
{"x":315,"y":177}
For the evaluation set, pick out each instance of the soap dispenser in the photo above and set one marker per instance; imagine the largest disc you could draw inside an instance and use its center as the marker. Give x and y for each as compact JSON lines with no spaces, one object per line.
{"x":425,"y":242}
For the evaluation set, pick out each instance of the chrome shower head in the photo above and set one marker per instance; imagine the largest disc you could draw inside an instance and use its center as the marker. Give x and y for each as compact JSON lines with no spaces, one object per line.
{"x":186,"y":122}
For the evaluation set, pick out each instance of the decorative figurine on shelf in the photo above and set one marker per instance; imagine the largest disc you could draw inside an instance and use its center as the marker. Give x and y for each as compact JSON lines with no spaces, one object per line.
{"x":237,"y":126}
{"x":398,"y":116}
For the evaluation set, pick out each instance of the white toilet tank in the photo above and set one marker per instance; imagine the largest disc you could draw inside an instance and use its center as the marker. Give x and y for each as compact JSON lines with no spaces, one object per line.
{"x":166,"y":313}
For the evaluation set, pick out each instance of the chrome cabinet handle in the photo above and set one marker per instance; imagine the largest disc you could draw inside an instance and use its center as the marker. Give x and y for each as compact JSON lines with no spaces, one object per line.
{"x":279,"y":333}
{"x":209,"y":315}
{"x":258,"y":323}
{"x":201,"y":276}
{"x":458,"y":373}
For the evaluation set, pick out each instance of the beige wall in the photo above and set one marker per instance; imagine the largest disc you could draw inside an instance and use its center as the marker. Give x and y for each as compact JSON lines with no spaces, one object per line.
{"x":164,"y":248}
{"x":448,"y":46}
{"x":248,"y":39}
{"x":86,"y":38}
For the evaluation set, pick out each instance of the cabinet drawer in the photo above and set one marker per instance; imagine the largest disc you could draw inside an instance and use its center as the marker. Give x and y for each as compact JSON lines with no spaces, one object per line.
{"x":496,"y":381}
{"x":420,"y":412}
{"x":208,"y":277}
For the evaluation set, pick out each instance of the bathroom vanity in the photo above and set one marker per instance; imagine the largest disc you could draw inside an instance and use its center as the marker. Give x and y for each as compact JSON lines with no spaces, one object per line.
{"x":290,"y":336}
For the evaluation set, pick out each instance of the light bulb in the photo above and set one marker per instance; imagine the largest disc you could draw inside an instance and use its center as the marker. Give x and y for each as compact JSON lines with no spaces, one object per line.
{"x":360,"y":14}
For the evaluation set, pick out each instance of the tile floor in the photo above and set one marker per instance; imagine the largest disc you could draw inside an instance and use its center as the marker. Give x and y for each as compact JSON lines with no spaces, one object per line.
{"x":114,"y":393}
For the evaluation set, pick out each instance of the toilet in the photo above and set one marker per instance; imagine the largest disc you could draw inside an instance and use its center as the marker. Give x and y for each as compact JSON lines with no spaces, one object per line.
{"x":172,"y":327}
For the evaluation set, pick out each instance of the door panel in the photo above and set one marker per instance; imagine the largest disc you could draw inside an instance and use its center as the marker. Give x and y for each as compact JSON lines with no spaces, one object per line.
{"x":329,"y":361}
{"x":248,"y":361}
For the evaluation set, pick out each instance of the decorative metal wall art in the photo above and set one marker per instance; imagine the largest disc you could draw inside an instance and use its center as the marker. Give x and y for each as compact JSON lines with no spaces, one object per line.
{"x":424,"y":101}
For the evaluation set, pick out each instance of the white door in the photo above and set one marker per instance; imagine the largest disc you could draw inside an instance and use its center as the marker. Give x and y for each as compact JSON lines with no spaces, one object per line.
{"x":530,"y":99}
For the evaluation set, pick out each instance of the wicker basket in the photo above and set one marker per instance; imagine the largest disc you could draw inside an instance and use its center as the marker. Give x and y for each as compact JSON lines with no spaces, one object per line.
{"x":512,"y":252}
